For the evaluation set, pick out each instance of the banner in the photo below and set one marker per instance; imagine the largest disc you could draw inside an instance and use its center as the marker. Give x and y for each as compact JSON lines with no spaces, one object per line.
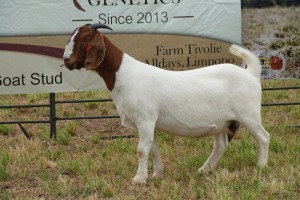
{"x":170,"y":34}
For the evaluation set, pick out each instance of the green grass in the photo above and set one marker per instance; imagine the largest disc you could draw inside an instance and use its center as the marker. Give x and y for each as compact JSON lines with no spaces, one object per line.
{"x":80,"y":164}
{"x":4,"y":160}
{"x":4,"y":129}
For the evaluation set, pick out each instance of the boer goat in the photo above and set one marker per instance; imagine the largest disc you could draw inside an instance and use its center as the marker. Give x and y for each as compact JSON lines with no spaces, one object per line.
{"x":209,"y":101}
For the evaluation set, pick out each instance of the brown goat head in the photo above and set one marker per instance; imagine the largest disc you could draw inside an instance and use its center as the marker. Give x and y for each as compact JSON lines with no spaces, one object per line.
{"x":85,"y":48}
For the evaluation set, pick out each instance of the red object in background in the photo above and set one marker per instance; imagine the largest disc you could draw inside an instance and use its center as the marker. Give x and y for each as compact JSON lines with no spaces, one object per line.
{"x":276,"y":63}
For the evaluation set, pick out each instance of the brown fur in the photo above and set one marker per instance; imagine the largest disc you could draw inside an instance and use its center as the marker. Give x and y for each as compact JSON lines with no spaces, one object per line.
{"x":110,"y":64}
{"x":96,"y":54}
{"x":101,"y":56}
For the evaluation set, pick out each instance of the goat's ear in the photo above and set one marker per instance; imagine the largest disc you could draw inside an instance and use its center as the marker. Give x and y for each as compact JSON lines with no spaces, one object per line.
{"x":95,"y":52}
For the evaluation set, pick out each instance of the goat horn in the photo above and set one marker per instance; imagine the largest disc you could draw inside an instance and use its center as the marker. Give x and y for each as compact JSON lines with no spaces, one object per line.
{"x":99,"y":25}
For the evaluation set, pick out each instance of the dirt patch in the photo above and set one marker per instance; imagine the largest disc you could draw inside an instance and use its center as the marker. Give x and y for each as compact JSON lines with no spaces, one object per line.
{"x":274,"y":31}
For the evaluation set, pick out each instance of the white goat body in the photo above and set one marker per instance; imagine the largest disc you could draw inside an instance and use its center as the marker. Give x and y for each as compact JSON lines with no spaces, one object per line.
{"x":195,"y":103}
{"x":190,"y":103}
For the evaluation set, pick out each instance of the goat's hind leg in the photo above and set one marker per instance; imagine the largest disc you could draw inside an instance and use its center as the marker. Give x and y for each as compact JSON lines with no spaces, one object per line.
{"x":157,"y":163}
{"x":263,"y":148}
{"x":263,"y":139}
{"x":220,"y":146}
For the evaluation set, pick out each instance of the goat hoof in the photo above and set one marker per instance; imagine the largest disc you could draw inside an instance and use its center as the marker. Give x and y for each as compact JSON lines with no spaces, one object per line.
{"x":262,"y":164}
{"x":139,"y":180}
{"x":204,"y":170}
{"x":157,"y":175}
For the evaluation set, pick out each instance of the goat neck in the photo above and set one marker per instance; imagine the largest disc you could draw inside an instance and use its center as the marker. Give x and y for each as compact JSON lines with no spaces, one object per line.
{"x":111,"y":64}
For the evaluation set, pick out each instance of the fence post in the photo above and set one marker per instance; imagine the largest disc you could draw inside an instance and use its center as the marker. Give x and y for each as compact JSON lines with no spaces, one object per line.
{"x":52,"y":116}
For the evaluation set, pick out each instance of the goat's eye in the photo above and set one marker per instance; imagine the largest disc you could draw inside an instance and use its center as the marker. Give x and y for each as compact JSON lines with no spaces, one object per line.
{"x":86,"y":39}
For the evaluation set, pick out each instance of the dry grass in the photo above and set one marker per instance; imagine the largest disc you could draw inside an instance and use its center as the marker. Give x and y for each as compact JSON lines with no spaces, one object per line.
{"x":82,"y":165}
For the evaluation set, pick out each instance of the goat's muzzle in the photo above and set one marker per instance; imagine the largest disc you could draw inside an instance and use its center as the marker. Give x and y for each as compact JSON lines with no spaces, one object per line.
{"x":66,"y":60}
{"x":70,"y":64}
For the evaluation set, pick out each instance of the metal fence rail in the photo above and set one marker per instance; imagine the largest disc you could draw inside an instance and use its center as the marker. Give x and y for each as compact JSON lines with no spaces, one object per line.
{"x":53,"y":118}
{"x":282,"y":103}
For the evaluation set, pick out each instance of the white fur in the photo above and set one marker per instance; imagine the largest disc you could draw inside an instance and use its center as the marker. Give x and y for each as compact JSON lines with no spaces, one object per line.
{"x":70,"y":45}
{"x":194,"y":103}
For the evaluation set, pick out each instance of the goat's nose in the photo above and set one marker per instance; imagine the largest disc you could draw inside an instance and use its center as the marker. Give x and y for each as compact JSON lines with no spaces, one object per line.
{"x":66,"y":60}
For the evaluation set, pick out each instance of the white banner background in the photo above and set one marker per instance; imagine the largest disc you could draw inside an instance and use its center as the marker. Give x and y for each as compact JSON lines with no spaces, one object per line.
{"x":24,"y":72}
{"x":219,"y":19}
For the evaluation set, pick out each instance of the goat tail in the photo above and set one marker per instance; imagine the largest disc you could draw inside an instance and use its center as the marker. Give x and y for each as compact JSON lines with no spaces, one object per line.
{"x":252,"y":62}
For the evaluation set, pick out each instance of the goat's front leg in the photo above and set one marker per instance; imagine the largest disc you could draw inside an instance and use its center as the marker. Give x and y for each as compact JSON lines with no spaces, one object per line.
{"x":158,"y":166}
{"x":146,"y":135}
{"x":220,"y":146}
